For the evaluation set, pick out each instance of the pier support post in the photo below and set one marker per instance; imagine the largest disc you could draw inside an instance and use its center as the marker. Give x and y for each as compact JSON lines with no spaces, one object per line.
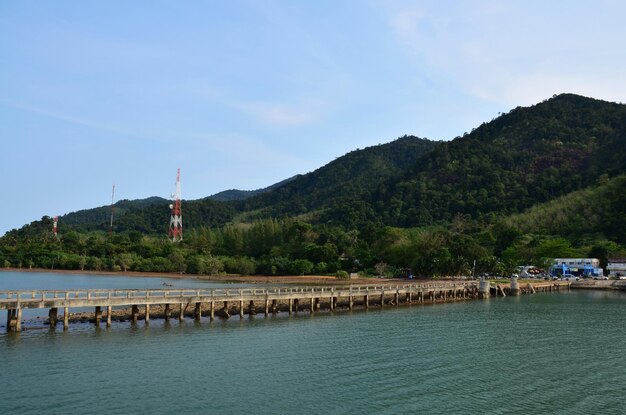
{"x":251,"y":308}
{"x":514,"y":287}
{"x":53,"y":317}
{"x":18,"y":321}
{"x":350,"y":302}
{"x":147,"y":316}
{"x":240,"y":308}
{"x":181,"y":315}
{"x":312,"y":305}
{"x":212,"y":310}
{"x":134,"y":312}
{"x":109,"y":315}
{"x":366,"y":300}
{"x":97,"y":315}
{"x":267,"y":306}
{"x":382,"y":299}
{"x":66,"y":318}
{"x":396,"y":297}
{"x":296,"y":304}
{"x":483,"y":289}
{"x":197,"y":311}
{"x":290,"y":305}
{"x":167,"y":311}
{"x":274,"y":307}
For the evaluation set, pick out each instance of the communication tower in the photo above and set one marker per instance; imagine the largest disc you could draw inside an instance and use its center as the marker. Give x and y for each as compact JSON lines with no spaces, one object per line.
{"x":176,"y":220}
{"x":112,"y":209}
{"x":55,"y":222}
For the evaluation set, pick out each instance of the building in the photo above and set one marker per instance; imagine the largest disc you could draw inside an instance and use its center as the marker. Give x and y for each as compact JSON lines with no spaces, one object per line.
{"x":580,"y":267}
{"x":616,"y":267}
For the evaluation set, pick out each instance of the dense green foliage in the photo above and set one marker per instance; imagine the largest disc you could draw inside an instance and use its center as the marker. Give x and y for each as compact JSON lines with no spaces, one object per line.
{"x":535,"y":183}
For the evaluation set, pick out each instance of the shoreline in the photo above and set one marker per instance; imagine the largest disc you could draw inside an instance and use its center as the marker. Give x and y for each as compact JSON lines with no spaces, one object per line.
{"x":250,"y":279}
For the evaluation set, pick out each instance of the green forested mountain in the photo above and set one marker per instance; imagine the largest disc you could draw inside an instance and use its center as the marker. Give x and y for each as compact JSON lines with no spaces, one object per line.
{"x":534,"y":183}
{"x":528,"y":156}
{"x":344,"y":181}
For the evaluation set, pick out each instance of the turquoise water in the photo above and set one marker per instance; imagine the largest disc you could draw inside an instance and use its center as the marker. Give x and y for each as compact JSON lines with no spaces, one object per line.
{"x":548,"y":353}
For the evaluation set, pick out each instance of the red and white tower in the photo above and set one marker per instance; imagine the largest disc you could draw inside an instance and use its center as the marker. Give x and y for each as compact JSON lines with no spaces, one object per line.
{"x":55,"y":222}
{"x":176,"y":220}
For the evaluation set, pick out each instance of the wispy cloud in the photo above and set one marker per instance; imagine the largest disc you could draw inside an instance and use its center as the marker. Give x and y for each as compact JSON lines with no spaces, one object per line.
{"x":512,"y":52}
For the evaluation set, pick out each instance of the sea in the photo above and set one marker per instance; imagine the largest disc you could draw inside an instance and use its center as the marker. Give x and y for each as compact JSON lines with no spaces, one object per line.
{"x":548,"y":353}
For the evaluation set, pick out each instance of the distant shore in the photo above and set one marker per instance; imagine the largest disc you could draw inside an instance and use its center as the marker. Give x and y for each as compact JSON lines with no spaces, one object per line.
{"x":251,"y":279}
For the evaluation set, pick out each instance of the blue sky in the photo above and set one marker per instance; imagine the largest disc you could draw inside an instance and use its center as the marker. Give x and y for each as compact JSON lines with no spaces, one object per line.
{"x":242,"y":94}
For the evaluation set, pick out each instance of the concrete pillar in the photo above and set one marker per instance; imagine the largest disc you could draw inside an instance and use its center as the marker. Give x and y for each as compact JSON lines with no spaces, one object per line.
{"x":296,"y":304}
{"x":267,"y":306}
{"x":133,"y":314}
{"x":514,"y":287}
{"x":181,"y":315}
{"x":483,"y":288}
{"x":53,"y":316}
{"x":350,"y":302}
{"x":240,"y":308}
{"x":197,"y":311}
{"x":167,"y":311}
{"x":317,"y":304}
{"x":382,"y":299}
{"x":66,"y":318}
{"x":290,"y":305}
{"x":312,"y":305}
{"x":366,"y":300}
{"x":147,"y":316}
{"x":18,"y":322}
{"x":109,"y":315}
{"x":98,"y":315}
{"x":212,"y":310}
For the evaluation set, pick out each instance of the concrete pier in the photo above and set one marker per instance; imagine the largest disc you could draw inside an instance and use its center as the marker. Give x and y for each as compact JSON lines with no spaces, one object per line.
{"x":242,"y":301}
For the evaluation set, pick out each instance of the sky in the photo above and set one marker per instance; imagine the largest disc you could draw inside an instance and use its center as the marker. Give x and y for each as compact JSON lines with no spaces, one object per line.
{"x":243,"y":94}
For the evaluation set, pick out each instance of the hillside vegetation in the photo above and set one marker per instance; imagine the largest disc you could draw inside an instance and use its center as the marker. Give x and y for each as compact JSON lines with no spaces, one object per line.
{"x":534,"y":183}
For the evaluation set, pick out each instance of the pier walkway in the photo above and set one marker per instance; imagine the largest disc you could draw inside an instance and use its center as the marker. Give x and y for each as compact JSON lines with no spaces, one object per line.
{"x":226,"y":302}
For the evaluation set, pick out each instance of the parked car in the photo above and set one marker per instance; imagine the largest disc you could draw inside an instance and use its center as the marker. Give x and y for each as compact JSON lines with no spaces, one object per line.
{"x":570,"y":277}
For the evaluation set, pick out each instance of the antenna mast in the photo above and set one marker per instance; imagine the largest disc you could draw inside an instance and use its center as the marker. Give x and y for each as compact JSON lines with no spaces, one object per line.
{"x":176,"y":220}
{"x":55,"y":222}
{"x":112,"y":209}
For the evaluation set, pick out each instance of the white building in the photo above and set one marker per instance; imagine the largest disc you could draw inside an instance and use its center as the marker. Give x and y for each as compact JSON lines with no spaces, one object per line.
{"x":616,"y":267}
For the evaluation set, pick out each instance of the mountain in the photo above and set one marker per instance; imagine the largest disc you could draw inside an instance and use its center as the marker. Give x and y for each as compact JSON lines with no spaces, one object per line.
{"x":538,"y":182}
{"x":235,"y":194}
{"x":345,"y":180}
{"x":527,"y":156}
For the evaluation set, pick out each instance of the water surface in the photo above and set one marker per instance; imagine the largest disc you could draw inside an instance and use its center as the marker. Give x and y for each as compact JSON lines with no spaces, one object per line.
{"x":546,"y":353}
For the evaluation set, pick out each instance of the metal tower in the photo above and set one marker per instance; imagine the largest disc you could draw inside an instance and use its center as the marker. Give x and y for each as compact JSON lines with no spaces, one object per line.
{"x":55,"y":222}
{"x":176,"y":220}
{"x":112,"y":209}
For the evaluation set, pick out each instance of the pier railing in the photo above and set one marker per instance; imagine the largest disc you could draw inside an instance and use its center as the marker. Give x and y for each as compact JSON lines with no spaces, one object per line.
{"x":26,"y":298}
